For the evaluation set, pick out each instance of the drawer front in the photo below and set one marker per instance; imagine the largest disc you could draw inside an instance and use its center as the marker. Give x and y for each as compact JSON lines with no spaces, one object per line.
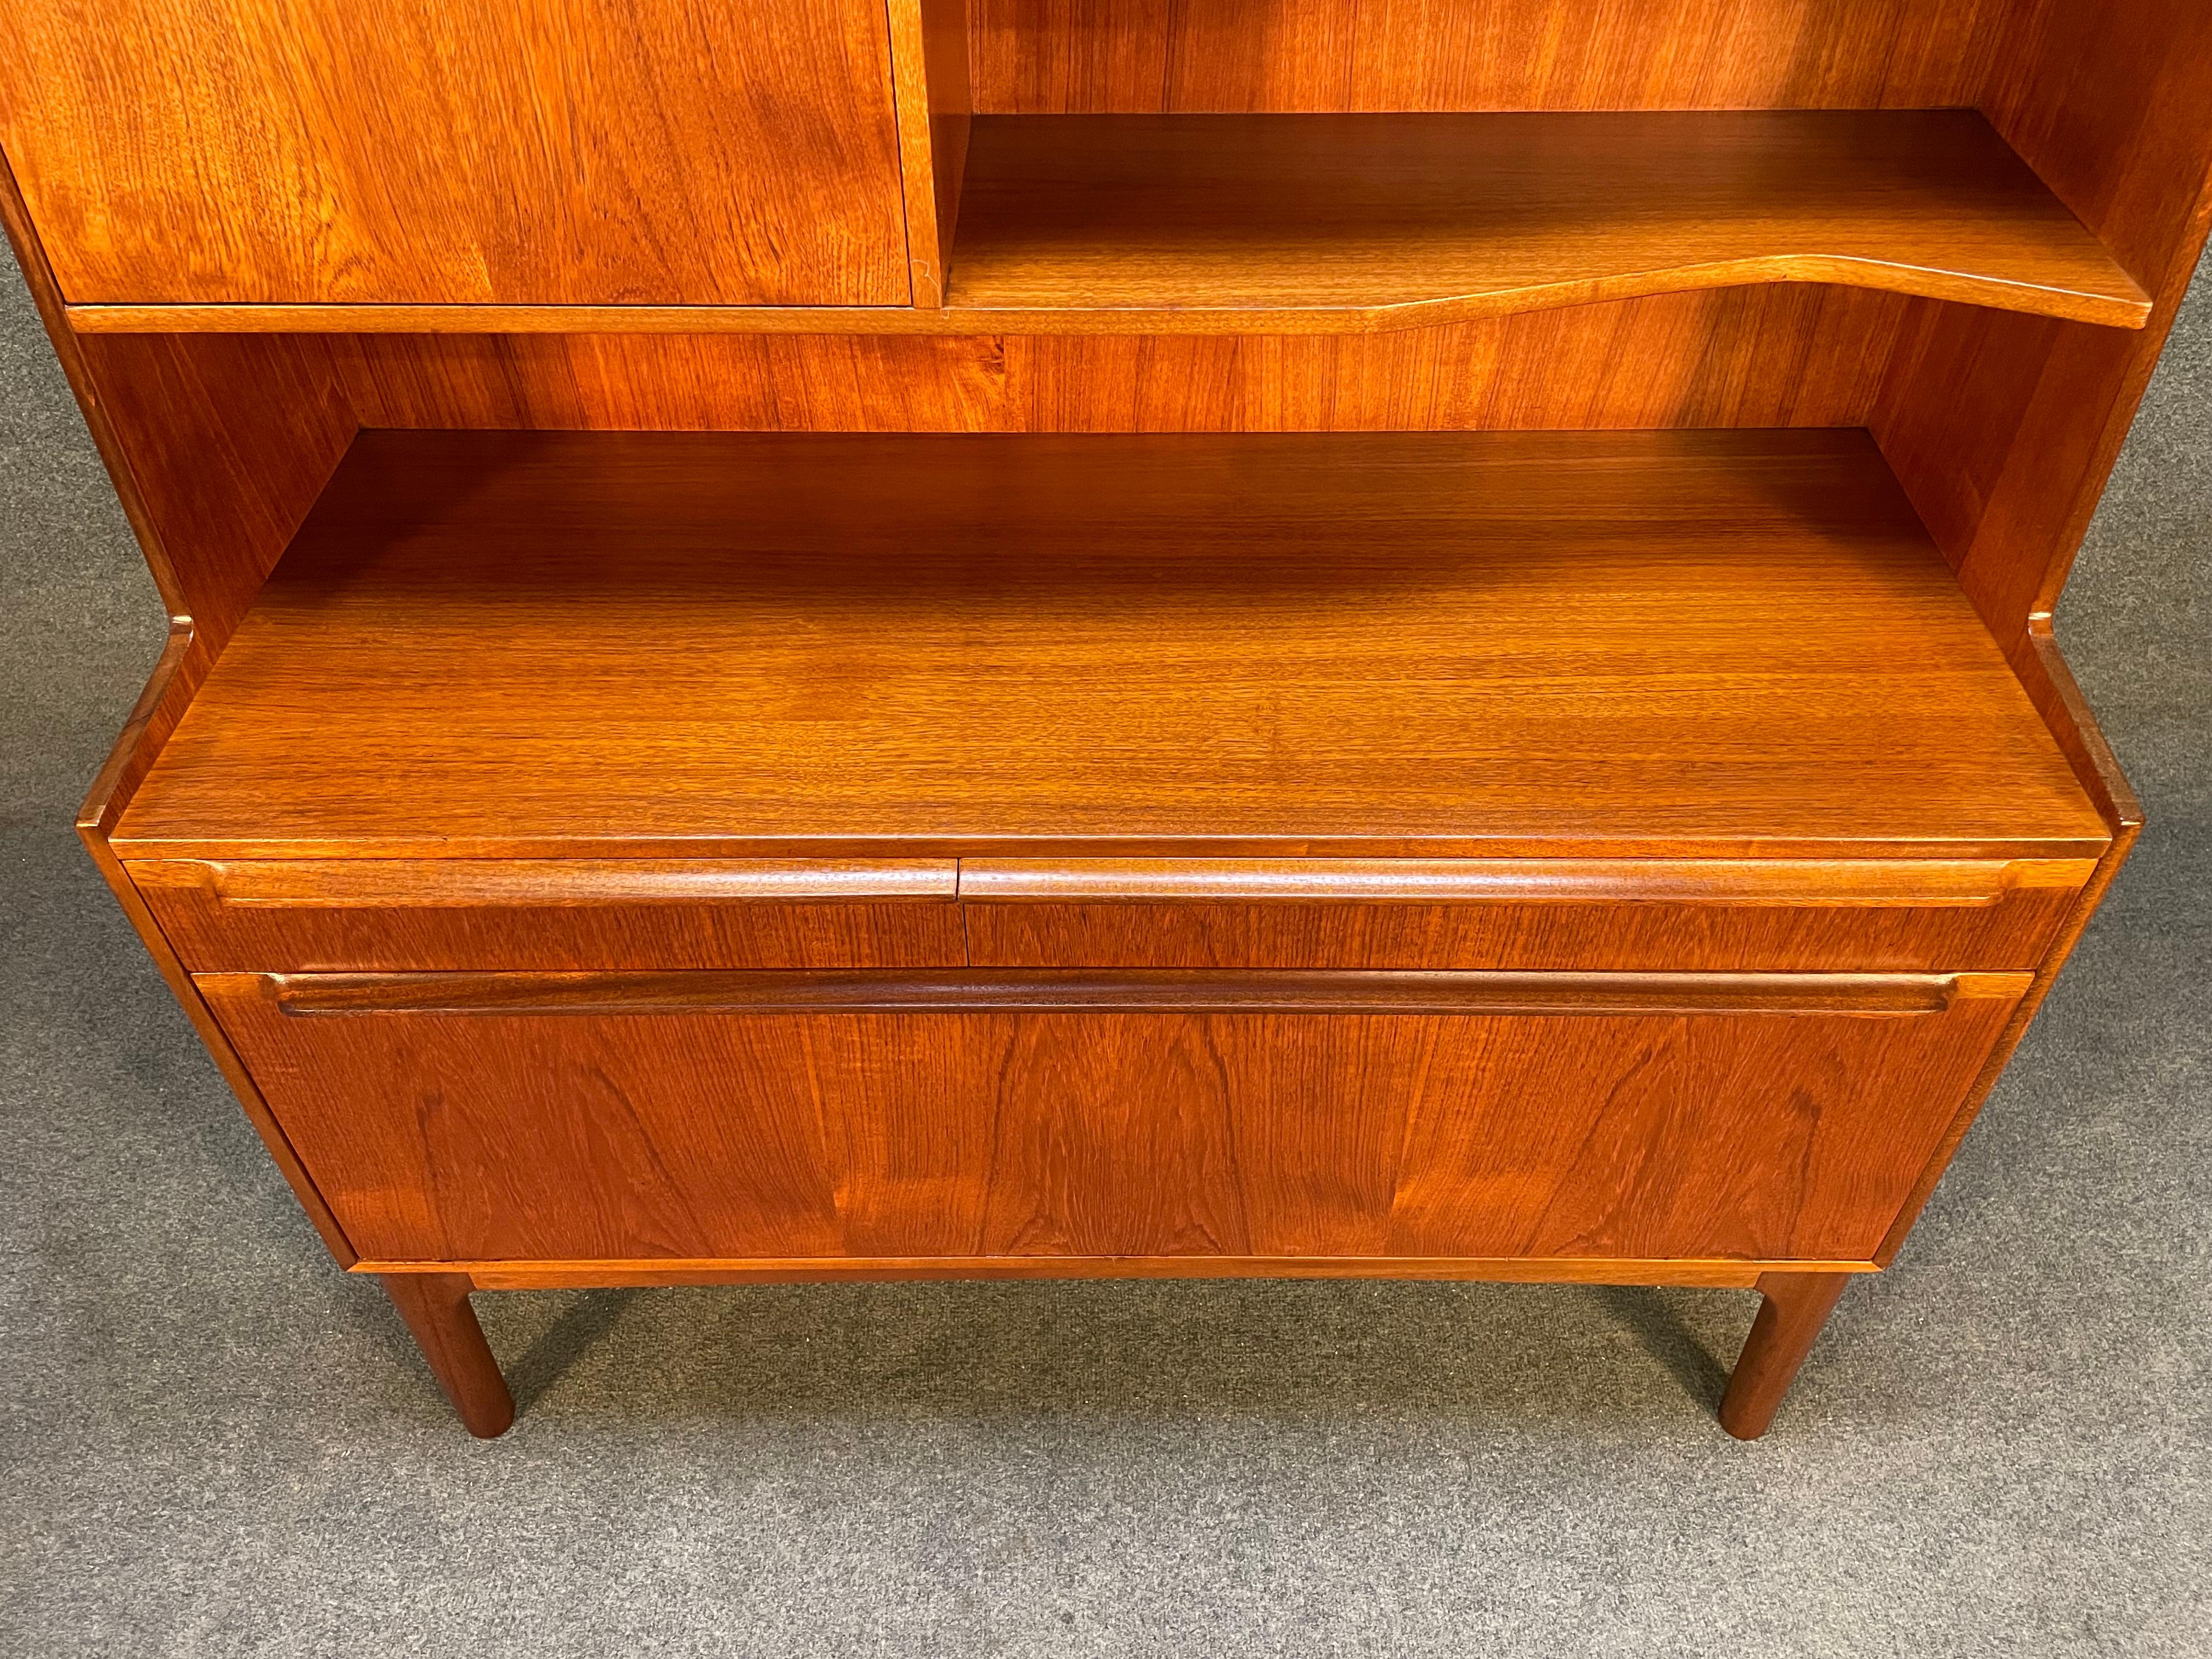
{"x":390,"y":152}
{"x":1540,"y":915}
{"x":963,"y":1115}
{"x":306,"y":915}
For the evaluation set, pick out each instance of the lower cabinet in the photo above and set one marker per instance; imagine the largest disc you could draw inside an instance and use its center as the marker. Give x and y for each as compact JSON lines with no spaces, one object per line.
{"x":612,"y":1117}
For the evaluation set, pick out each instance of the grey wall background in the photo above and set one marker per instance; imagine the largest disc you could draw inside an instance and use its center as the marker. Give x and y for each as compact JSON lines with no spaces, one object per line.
{"x":212,"y":1442}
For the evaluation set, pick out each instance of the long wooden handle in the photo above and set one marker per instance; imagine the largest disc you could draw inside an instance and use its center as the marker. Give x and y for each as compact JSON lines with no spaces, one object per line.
{"x":1115,"y":990}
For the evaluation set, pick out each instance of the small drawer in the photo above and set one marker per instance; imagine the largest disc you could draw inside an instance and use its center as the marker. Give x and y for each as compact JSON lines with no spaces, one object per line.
{"x":306,"y":915}
{"x":1719,"y":915}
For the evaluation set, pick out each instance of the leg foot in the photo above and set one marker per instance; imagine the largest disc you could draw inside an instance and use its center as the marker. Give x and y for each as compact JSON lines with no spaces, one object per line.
{"x":1795,"y":1307}
{"x":436,"y":1309}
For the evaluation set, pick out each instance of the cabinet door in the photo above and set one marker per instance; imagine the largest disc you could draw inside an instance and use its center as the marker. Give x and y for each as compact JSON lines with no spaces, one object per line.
{"x":530,"y":152}
{"x":701,"y":1115}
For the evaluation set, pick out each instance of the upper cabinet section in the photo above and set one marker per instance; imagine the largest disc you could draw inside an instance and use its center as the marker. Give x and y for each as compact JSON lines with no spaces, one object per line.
{"x":407,"y":152}
{"x":1063,"y":166}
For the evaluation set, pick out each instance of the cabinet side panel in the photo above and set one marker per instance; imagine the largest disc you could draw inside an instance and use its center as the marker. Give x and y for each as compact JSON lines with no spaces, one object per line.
{"x":2002,"y":428}
{"x":146,"y":457}
{"x":217,"y":446}
{"x":230,"y":439}
{"x":174,"y":680}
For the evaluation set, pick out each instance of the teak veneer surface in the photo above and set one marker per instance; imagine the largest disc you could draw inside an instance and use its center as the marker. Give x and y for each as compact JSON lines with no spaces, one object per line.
{"x":1773,"y":915}
{"x":1676,"y":1116}
{"x":500,"y":644}
{"x":1556,"y":915}
{"x":326,"y":913}
{"x":1505,"y":211}
{"x":1054,"y":56}
{"x":536,"y":152}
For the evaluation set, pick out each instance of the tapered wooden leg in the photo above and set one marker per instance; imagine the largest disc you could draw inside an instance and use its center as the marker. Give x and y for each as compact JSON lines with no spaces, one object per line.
{"x":436,"y":1309}
{"x":1795,"y":1307}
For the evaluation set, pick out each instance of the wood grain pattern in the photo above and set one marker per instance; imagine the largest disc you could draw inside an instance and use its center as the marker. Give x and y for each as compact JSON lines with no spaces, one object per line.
{"x":208,"y":527}
{"x":235,"y":437}
{"x":380,"y":151}
{"x":37,"y":272}
{"x":2004,"y":432}
{"x":300,"y":916}
{"x":320,"y":915}
{"x":1592,"y":934}
{"x":1380,"y":645}
{"x":454,"y":996}
{"x":1269,"y":224}
{"x":1735,"y":656}
{"x":929,"y":58}
{"x":702,"y":1134}
{"x":1534,"y":914}
{"x":1553,"y":937}
{"x":823,"y":322}
{"x":1789,"y":355}
{"x":2054,"y":964}
{"x":2108,"y":103}
{"x":1061,"y":56}
{"x":1435,"y":216}
{"x":229,"y":441}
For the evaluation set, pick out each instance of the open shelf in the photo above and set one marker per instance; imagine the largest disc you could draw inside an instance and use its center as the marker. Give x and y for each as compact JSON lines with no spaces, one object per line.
{"x":1471,"y":214}
{"x":531,"y":643}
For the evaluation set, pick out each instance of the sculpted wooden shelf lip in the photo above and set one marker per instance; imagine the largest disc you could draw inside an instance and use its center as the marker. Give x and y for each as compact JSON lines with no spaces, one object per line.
{"x":1365,"y":212}
{"x":650,"y":644}
{"x":1337,"y":223}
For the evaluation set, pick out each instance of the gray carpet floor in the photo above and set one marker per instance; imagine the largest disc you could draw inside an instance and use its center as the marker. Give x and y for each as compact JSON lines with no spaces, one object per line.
{"x":212,"y":1442}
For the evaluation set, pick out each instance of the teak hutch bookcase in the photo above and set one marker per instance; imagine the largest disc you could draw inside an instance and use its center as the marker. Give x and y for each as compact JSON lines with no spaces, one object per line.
{"x":817,"y":639}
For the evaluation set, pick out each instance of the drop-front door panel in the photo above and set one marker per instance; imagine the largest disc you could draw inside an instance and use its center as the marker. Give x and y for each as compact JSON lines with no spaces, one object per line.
{"x":611,"y":1117}
{"x":533,"y":152}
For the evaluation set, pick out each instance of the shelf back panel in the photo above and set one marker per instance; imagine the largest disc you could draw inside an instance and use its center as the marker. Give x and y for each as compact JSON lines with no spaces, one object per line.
{"x":1775,"y":357}
{"x":1060,"y":57}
